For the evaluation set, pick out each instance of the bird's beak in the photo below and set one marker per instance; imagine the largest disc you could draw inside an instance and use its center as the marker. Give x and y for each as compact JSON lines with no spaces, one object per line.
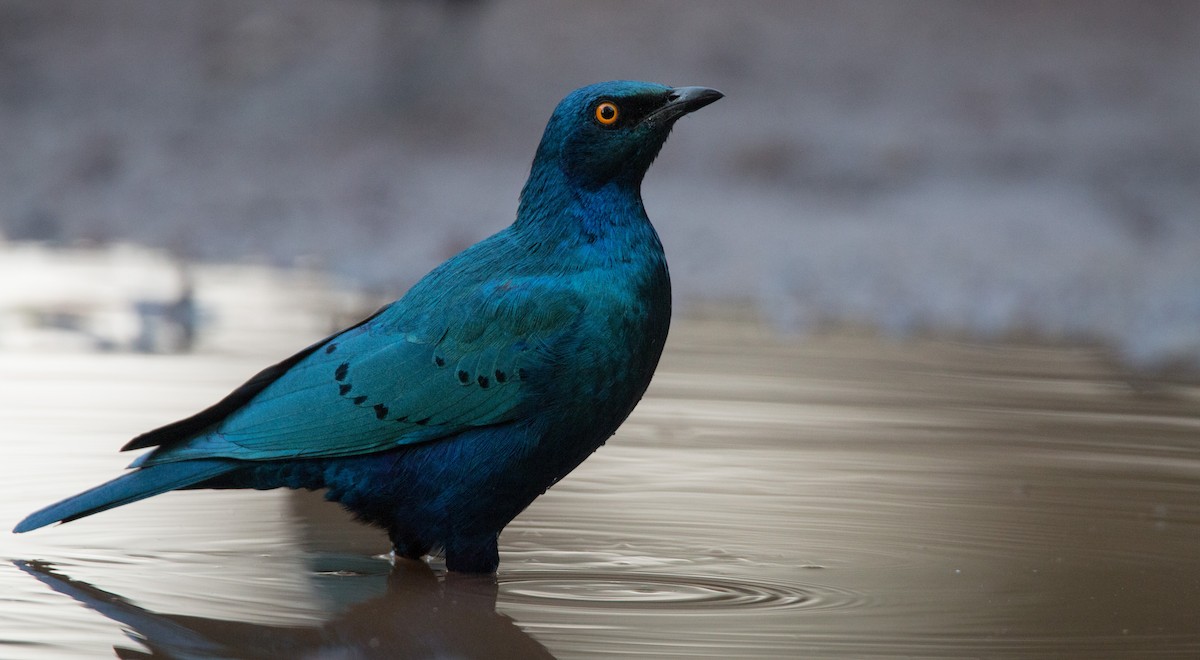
{"x":683,"y":100}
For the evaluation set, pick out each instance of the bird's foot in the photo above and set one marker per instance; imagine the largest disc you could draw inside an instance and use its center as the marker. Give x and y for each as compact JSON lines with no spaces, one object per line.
{"x":473,"y":557}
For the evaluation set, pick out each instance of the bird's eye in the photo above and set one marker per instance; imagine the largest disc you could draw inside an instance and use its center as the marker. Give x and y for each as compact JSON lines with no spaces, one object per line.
{"x":607,"y":113}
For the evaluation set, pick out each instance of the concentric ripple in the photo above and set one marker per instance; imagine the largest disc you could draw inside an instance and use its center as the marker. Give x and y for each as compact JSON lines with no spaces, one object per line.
{"x":665,"y":592}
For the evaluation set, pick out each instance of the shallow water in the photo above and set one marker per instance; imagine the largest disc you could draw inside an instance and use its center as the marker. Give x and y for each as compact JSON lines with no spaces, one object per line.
{"x":769,"y":498}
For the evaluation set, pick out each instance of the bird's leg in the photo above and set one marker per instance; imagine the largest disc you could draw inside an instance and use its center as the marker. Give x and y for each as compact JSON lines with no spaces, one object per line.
{"x":473,"y":555}
{"x":406,"y":546}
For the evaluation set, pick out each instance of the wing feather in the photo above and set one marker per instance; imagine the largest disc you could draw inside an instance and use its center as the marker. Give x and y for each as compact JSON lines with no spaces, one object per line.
{"x":376,"y":386}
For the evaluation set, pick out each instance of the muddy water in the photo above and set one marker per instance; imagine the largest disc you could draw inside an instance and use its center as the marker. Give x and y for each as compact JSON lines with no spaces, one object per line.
{"x":832,"y":497}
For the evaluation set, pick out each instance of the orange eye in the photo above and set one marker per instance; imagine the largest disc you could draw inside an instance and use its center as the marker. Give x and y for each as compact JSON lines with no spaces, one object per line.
{"x":607,"y":113}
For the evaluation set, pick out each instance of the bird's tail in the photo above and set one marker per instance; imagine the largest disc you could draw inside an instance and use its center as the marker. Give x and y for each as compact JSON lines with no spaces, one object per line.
{"x":137,"y":485}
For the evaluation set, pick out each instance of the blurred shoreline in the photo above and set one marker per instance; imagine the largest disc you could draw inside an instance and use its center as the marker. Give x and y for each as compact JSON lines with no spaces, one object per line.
{"x":133,"y":299}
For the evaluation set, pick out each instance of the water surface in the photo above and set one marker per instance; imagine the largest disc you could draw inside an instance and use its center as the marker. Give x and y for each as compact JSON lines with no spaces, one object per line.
{"x":769,"y":498}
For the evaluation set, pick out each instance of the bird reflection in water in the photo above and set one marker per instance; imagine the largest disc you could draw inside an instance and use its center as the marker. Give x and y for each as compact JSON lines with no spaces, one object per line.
{"x":422,"y":615}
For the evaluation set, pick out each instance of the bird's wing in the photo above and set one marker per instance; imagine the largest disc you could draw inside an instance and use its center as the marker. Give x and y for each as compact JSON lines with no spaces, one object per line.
{"x":377,"y":386}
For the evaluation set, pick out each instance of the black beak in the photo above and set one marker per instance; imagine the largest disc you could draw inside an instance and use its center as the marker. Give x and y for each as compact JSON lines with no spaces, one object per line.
{"x":683,"y":100}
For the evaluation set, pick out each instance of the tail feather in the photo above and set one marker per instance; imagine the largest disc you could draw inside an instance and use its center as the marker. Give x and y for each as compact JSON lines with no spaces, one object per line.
{"x":140,"y":484}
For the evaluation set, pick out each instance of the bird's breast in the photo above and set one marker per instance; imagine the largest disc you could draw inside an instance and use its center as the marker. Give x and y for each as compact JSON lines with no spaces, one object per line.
{"x":607,"y":363}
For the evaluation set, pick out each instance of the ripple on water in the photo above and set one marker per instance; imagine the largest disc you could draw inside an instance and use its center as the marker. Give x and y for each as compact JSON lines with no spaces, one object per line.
{"x":666,"y":593}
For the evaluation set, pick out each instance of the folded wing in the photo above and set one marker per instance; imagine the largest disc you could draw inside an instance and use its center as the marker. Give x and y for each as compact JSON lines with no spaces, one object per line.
{"x":376,"y":386}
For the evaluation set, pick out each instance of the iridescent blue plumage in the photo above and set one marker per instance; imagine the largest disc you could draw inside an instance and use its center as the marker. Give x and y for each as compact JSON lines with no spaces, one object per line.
{"x":446,"y":413}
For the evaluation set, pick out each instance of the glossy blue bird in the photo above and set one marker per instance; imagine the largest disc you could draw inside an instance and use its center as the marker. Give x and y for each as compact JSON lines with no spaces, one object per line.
{"x":443,"y":415}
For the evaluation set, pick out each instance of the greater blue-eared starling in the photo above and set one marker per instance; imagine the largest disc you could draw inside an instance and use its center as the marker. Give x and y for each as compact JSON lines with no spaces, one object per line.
{"x":444,"y":414}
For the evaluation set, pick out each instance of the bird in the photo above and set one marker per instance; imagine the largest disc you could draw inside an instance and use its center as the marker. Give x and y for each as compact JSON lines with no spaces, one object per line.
{"x":444,"y":414}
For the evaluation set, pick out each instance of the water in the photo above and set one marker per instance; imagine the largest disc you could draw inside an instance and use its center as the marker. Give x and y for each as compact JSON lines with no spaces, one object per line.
{"x":840,"y":496}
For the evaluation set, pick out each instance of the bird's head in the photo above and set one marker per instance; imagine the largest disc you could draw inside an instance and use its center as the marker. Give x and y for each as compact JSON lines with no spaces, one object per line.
{"x":610,"y":132}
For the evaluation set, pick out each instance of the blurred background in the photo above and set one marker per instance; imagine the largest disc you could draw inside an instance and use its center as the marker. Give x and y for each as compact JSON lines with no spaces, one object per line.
{"x":982,"y":169}
{"x":930,"y":391}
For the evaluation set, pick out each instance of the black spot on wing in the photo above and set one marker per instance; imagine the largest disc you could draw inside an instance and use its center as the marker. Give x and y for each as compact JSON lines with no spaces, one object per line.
{"x":500,"y":376}
{"x":463,"y":377}
{"x":344,"y":389}
{"x":342,"y":370}
{"x":381,"y":411}
{"x":483,"y":382}
{"x":359,"y":400}
{"x":439,"y":360}
{"x":330,"y":348}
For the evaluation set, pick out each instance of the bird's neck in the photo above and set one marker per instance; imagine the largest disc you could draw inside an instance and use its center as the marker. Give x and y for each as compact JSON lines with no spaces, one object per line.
{"x":553,"y":206}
